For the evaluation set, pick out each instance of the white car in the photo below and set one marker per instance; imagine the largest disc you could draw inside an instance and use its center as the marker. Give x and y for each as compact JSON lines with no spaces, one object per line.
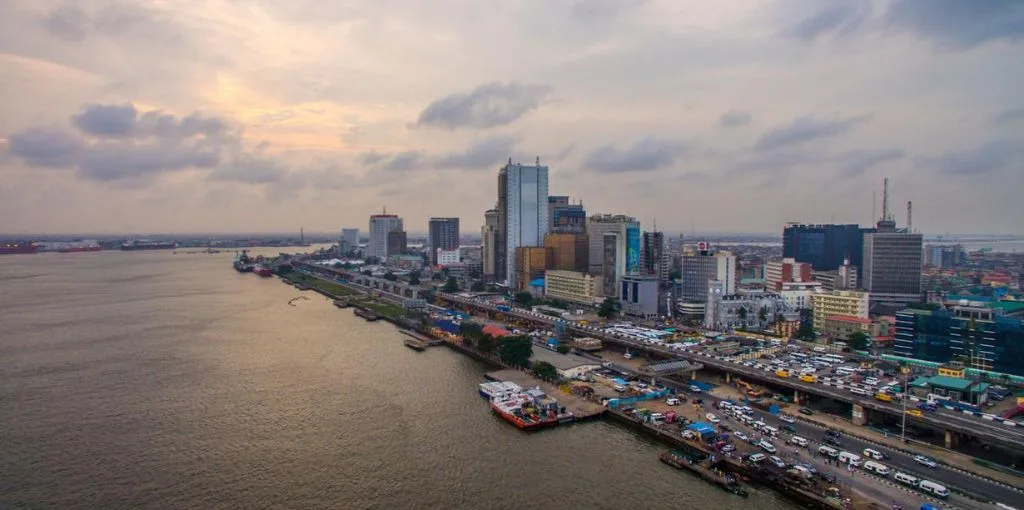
{"x":712,"y":418}
{"x":741,"y":436}
{"x":672,"y":401}
{"x":925,"y":461}
{"x":766,"y":446}
{"x":694,"y":389}
{"x":787,"y":418}
{"x":779,"y":463}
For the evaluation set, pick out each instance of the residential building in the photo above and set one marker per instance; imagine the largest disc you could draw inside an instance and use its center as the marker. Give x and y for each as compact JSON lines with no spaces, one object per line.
{"x":489,"y":241}
{"x":825,"y":247}
{"x":784,"y":271}
{"x":572,"y":286}
{"x":565,"y":217}
{"x":844,"y":278}
{"x":522,"y":213}
{"x":442,"y":234}
{"x":752,"y":310}
{"x":979,"y":336}
{"x":531,"y":263}
{"x":945,"y":256}
{"x":892,"y":266}
{"x":704,"y":265}
{"x":380,"y":226}
{"x":571,"y":251}
{"x":638,"y":295}
{"x":397,"y":243}
{"x":443,"y":257}
{"x":849,"y":303}
{"x":842,"y":326}
{"x":350,"y":236}
{"x":798,"y":295}
{"x":627,"y":249}
{"x":611,"y":254}
{"x":653,"y":258}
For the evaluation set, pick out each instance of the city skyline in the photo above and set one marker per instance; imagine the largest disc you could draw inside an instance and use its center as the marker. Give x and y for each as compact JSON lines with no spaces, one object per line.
{"x":132,"y":117}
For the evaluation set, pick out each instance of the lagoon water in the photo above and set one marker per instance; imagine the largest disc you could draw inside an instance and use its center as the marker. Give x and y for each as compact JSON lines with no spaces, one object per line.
{"x":162,"y":380}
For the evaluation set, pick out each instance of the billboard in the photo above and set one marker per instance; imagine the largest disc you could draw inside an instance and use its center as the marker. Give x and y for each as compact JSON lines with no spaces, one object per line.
{"x":632,"y":249}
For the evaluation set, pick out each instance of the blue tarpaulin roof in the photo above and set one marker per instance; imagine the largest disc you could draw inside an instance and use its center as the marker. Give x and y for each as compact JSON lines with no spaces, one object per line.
{"x":701,"y":428}
{"x":539,"y":282}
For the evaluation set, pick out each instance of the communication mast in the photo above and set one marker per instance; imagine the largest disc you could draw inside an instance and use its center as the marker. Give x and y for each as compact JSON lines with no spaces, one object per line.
{"x":910,"y":217}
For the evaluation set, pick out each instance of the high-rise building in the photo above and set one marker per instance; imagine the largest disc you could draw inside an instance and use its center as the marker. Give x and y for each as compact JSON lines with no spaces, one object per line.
{"x":784,"y":271}
{"x":522,"y":213}
{"x":531,"y":263}
{"x":841,"y":303}
{"x":610,"y":257}
{"x":706,"y":265}
{"x":892,"y":266}
{"x":380,"y":226}
{"x":564,"y":217}
{"x":488,"y":241}
{"x":977,"y":335}
{"x":443,"y":234}
{"x":572,"y":286}
{"x":571,"y":251}
{"x":627,"y":230}
{"x":638,"y":295}
{"x":944,"y":256}
{"x":654,"y":261}
{"x":397,"y":243}
{"x":350,"y":236}
{"x":824,"y":247}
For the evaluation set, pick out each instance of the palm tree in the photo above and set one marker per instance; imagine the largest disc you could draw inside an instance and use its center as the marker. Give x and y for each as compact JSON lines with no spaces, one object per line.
{"x":762,"y":316}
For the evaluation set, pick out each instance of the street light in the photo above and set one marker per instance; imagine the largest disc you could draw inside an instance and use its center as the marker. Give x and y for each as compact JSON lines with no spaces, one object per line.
{"x":903,"y":429}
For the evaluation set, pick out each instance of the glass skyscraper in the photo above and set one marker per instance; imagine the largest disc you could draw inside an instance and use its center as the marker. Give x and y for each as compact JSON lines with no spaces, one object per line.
{"x":522,"y":211}
{"x":825,"y":247}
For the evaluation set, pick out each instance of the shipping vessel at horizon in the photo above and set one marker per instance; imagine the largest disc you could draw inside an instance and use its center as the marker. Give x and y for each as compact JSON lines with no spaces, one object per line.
{"x":17,"y":247}
{"x":143,"y":244}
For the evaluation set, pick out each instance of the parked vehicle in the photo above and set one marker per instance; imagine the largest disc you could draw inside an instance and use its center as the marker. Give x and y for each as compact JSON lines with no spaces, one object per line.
{"x":787,"y":418}
{"x":672,"y":401}
{"x":779,"y":463}
{"x":806,"y":411}
{"x":756,"y":457}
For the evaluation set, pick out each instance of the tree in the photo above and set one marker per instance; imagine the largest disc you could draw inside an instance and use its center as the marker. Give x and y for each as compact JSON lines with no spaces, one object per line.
{"x":414,"y":278}
{"x":762,"y":315}
{"x":544,"y":370}
{"x":858,"y":341}
{"x":779,"y":319}
{"x":478,"y":286}
{"x":805,"y":332}
{"x":743,"y":314}
{"x":450,"y":286}
{"x":515,"y":350}
{"x":523,"y":298}
{"x":485,"y":344}
{"x":609,"y":308}
{"x":563,"y":349}
{"x":389,"y":276}
{"x":471,"y":331}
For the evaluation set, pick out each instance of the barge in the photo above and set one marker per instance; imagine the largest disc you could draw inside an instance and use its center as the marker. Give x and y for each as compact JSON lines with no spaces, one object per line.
{"x":520,"y":410}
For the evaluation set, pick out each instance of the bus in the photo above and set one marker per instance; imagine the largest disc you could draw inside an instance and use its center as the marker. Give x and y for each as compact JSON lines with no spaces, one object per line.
{"x":798,"y":356}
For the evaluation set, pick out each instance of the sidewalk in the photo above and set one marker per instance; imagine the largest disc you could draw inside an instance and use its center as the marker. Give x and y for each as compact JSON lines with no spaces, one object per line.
{"x":953,"y":459}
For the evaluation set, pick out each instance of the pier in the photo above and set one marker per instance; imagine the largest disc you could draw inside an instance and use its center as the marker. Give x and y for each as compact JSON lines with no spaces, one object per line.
{"x":578,"y":407}
{"x":369,"y":315}
{"x":416,"y":341}
{"x":705,"y":469}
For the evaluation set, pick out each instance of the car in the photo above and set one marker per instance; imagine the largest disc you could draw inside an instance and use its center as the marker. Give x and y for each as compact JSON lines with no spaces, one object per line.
{"x":728,"y":448}
{"x":694,"y":388}
{"x":916,"y":413}
{"x":787,"y":418}
{"x":832,"y":433}
{"x":756,"y":457}
{"x":766,"y":446}
{"x":779,"y":463}
{"x":712,"y":418}
{"x":741,"y":436}
{"x":831,"y":440}
{"x":789,"y":428}
{"x":925,"y":461}
{"x":806,"y":412}
{"x":809,"y":467}
{"x":672,"y":401}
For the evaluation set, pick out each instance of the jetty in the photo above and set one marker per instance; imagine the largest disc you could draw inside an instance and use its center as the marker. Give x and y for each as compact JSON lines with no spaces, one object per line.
{"x":342,"y":303}
{"x":705,"y":469}
{"x":369,"y":315}
{"x":416,"y":341}
{"x":573,"y":407}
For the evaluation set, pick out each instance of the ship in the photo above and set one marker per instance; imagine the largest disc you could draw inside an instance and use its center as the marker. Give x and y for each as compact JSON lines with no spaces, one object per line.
{"x":17,"y":247}
{"x":76,"y":248}
{"x":242,"y":262}
{"x":263,"y":270}
{"x":524,"y":411}
{"x":143,"y":244}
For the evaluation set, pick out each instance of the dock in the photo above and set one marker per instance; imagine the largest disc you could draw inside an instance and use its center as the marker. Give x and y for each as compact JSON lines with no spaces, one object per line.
{"x":704,"y":469}
{"x":369,"y":315}
{"x":576,"y":408}
{"x":342,"y":303}
{"x":416,"y":341}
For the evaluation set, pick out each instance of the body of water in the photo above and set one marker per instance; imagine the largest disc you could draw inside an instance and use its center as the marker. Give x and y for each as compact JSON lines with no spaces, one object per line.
{"x":154,"y":380}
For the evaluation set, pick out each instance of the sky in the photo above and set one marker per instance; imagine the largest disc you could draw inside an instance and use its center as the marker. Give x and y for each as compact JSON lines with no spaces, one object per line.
{"x":167,"y":116}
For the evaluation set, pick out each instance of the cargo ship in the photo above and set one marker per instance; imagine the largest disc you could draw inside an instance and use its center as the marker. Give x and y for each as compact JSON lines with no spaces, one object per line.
{"x":148,"y":245}
{"x":79,"y":248}
{"x":263,"y":270}
{"x":242,"y":263}
{"x":526,"y":411}
{"x":17,"y":247}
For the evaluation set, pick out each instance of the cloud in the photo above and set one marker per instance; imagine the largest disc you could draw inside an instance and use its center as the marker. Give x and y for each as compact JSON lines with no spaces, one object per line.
{"x":734,"y":118}
{"x":959,"y":24}
{"x":251,"y":169}
{"x":816,"y":18}
{"x":857,"y":162}
{"x":45,"y":148}
{"x":403,"y":161}
{"x":986,"y":158}
{"x":646,"y":154}
{"x":489,"y":105}
{"x":591,"y":9}
{"x":106,"y":120}
{"x":804,"y":129}
{"x":481,"y":154}
{"x":1008,"y":116}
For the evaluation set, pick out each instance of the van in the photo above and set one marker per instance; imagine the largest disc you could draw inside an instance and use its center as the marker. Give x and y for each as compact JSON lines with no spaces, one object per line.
{"x":933,"y":488}
{"x":831,"y":452}
{"x":849,"y":458}
{"x":858,"y":391}
{"x":769,"y":430}
{"x":797,"y":440}
{"x":871,"y":381}
{"x":756,"y":457}
{"x":906,"y":479}
{"x":883,"y":397}
{"x":819,"y":349}
{"x":874,"y":454}
{"x":877,"y":468}
{"x":657,"y":417}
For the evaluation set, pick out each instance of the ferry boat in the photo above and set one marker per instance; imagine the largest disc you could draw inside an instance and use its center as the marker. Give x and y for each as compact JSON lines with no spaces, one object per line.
{"x":490,"y":390}
{"x":521,"y":410}
{"x":263,"y":270}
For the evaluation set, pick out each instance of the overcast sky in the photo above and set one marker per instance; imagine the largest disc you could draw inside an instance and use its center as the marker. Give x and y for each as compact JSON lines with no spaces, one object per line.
{"x":732,"y":115}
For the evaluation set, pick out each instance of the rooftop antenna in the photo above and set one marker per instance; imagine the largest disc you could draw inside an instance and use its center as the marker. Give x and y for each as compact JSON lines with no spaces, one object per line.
{"x":910,"y":217}
{"x":885,"y":200}
{"x":538,"y":161}
{"x":384,"y":209}
{"x":874,"y":204}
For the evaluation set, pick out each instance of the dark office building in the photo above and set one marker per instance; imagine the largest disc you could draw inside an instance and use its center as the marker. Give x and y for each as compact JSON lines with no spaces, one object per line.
{"x":653,"y":260}
{"x":397,"y":244}
{"x":825,"y":246}
{"x":443,"y":234}
{"x":979,"y":337}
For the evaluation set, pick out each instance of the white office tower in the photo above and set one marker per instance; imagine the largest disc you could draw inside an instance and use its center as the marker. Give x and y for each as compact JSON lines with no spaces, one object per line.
{"x":524,"y":209}
{"x":380,"y":226}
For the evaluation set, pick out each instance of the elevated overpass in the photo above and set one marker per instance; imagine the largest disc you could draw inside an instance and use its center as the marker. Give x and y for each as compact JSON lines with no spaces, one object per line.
{"x":952,"y":423}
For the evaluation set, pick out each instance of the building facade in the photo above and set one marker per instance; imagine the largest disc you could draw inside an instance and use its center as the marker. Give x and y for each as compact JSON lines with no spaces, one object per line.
{"x":571,"y":251}
{"x":442,"y":234}
{"x":980,"y":337}
{"x":572,"y":286}
{"x":826,"y":246}
{"x":638,"y":295}
{"x":488,"y":243}
{"x":522,"y":212}
{"x":702,"y":266}
{"x":799,"y":295}
{"x":654,"y":259}
{"x":785,"y":271}
{"x":600,"y":224}
{"x":849,"y":303}
{"x":892,"y":266}
{"x":445,"y":257}
{"x":397,"y":243}
{"x":380,"y":226}
{"x":565,"y":217}
{"x":724,"y":312}
{"x":531,"y":263}
{"x":350,"y":236}
{"x":945,"y":256}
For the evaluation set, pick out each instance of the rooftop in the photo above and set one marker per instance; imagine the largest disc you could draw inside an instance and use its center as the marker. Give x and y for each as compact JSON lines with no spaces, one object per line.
{"x":952,"y":383}
{"x":560,"y":361}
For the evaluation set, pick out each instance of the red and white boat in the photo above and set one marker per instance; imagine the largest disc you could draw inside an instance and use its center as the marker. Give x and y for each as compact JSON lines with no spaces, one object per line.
{"x":520,"y":410}
{"x":263,"y":270}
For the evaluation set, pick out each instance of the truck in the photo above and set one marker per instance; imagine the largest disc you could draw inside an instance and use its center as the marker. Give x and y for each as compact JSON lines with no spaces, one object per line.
{"x":504,"y":308}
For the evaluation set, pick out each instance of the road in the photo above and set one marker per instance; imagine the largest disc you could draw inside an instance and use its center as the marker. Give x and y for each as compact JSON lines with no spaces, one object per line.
{"x":991,"y":431}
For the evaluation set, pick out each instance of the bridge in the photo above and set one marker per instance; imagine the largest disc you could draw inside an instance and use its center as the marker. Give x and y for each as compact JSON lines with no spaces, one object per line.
{"x":952,"y":423}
